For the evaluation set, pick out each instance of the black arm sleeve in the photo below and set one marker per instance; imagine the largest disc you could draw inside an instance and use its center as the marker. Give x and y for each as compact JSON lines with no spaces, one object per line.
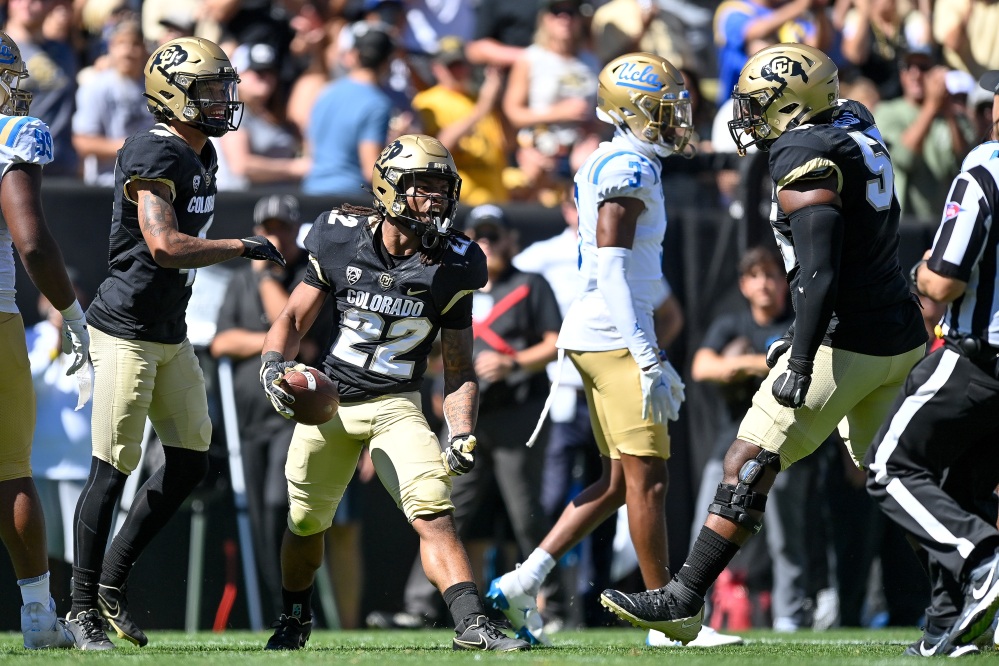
{"x":818,"y":243}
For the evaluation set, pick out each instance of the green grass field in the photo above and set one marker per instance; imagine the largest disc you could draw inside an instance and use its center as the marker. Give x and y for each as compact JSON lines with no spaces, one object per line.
{"x":594,"y":646}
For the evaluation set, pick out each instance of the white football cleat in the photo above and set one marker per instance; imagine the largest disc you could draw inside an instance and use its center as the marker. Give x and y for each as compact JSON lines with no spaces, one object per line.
{"x":507,"y":594}
{"x":706,"y":638}
{"x":43,"y":628}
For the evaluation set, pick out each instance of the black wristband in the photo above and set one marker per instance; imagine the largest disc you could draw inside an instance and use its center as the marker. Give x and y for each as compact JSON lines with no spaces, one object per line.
{"x":463,"y":435}
{"x":800,"y":365}
{"x":272,"y":357}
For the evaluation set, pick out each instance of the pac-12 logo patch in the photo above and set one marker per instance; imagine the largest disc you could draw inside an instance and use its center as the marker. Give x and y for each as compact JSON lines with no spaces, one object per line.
{"x":169,"y":57}
{"x":952,"y":210}
{"x":353,"y":274}
{"x":197,"y":183}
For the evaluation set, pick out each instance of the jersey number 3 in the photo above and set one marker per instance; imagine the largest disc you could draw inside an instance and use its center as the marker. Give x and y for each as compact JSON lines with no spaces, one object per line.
{"x":880,"y":188}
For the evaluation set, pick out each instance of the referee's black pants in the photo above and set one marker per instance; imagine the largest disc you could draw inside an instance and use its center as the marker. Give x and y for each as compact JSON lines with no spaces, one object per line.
{"x":934,"y":464}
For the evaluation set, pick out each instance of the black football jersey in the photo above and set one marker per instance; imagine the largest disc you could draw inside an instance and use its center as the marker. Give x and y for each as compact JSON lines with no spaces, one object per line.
{"x":874,"y":313}
{"x":390,"y":308}
{"x":139,"y":299}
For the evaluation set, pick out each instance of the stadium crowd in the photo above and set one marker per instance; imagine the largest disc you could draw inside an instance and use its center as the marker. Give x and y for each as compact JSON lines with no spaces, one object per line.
{"x":509,"y":88}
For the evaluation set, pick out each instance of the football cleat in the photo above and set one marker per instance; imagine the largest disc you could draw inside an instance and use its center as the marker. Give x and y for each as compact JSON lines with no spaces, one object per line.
{"x":482,"y":634}
{"x":507,"y":594}
{"x":114,"y":607}
{"x":43,"y":628}
{"x":290,"y":633}
{"x":88,"y":633}
{"x":653,"y":609}
{"x":706,"y":638}
{"x":925,"y":647}
{"x":981,"y":601}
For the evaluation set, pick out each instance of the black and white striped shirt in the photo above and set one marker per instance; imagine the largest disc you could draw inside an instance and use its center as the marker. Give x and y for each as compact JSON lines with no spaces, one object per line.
{"x":967,"y":244}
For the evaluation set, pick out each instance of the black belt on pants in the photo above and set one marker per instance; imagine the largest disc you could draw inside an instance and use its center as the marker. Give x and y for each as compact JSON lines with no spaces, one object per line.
{"x":976,"y":350}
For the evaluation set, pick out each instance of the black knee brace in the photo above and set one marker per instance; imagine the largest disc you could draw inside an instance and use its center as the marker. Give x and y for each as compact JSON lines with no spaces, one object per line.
{"x":732,"y":502}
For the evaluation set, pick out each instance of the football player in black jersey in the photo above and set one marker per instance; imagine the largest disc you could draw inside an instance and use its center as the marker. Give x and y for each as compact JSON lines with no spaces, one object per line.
{"x":400,"y":274}
{"x":144,"y":364}
{"x":857,"y":329}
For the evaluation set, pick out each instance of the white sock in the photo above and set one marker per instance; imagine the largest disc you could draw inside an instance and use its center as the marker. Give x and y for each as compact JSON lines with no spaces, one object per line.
{"x":535,"y":569}
{"x":35,"y":589}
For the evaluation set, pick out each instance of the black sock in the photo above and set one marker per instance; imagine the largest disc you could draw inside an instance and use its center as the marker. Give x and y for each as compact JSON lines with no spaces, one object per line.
{"x":94,"y":517}
{"x":118,"y":563}
{"x":708,"y":558}
{"x":462,"y":601}
{"x":84,"y":594}
{"x":298,"y":604}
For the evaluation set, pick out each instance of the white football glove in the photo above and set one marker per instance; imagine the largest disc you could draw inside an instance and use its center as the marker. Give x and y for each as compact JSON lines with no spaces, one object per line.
{"x":459,"y":457}
{"x":676,"y":390}
{"x":662,"y":393}
{"x":75,"y":336}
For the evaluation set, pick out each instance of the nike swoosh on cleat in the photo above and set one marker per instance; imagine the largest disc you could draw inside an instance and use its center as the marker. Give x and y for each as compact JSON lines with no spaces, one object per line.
{"x":112,"y":610}
{"x":978,"y":593}
{"x":927,"y":653}
{"x":481,"y":643}
{"x":688,"y":625}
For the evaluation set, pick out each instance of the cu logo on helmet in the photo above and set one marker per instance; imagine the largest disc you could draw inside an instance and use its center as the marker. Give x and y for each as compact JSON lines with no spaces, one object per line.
{"x":782,"y":67}
{"x":7,"y":56}
{"x":170,"y":57}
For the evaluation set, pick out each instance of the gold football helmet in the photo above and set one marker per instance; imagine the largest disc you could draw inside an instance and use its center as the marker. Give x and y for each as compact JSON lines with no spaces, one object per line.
{"x":417,"y":166}
{"x":191,"y":80}
{"x":645,"y":95}
{"x":781,"y":87}
{"x":13,"y":100}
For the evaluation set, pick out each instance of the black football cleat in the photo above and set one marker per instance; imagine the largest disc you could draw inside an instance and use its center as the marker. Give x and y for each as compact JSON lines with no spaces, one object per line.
{"x":482,"y":634}
{"x":981,"y":602}
{"x":654,"y":609}
{"x":290,"y":633}
{"x":927,"y":647}
{"x":113,"y":605}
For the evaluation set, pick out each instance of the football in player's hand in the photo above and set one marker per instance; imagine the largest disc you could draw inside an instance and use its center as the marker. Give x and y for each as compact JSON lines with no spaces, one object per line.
{"x":316,"y":397}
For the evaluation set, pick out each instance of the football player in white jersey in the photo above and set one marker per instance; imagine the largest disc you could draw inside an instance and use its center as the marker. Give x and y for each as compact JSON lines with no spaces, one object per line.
{"x":608,"y":332}
{"x":26,"y":145}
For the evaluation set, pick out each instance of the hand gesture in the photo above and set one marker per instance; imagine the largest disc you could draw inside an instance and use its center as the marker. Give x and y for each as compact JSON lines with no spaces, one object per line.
{"x":258,"y":247}
{"x":459,"y":456}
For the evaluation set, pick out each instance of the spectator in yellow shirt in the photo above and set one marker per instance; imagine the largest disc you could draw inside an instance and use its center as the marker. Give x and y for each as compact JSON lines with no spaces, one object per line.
{"x":467,"y":125}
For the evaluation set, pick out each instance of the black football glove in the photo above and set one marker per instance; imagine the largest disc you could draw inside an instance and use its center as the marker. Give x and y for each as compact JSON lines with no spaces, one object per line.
{"x":777,"y":349}
{"x":459,"y":457}
{"x":271,"y":372}
{"x":791,"y":386}
{"x":258,"y":247}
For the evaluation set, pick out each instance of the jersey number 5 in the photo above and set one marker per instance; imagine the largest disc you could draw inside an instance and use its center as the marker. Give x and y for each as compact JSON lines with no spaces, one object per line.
{"x":401,"y":336}
{"x":880,"y":188}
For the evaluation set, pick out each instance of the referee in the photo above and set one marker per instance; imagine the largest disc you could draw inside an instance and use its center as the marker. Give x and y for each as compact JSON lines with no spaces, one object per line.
{"x":935,"y":463}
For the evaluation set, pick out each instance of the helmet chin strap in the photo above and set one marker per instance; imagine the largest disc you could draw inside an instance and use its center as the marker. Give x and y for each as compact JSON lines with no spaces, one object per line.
{"x":643,"y":147}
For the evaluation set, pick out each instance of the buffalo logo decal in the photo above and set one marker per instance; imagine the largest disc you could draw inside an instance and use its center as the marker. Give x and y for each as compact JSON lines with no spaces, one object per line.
{"x":782,"y":67}
{"x":169,"y":57}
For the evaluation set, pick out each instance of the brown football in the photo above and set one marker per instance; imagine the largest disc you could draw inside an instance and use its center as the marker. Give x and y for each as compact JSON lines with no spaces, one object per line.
{"x":316,"y":397}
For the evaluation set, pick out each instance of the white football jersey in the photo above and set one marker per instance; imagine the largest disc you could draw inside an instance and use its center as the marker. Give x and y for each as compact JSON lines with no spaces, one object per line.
{"x":22,"y":139}
{"x":617,"y":170}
